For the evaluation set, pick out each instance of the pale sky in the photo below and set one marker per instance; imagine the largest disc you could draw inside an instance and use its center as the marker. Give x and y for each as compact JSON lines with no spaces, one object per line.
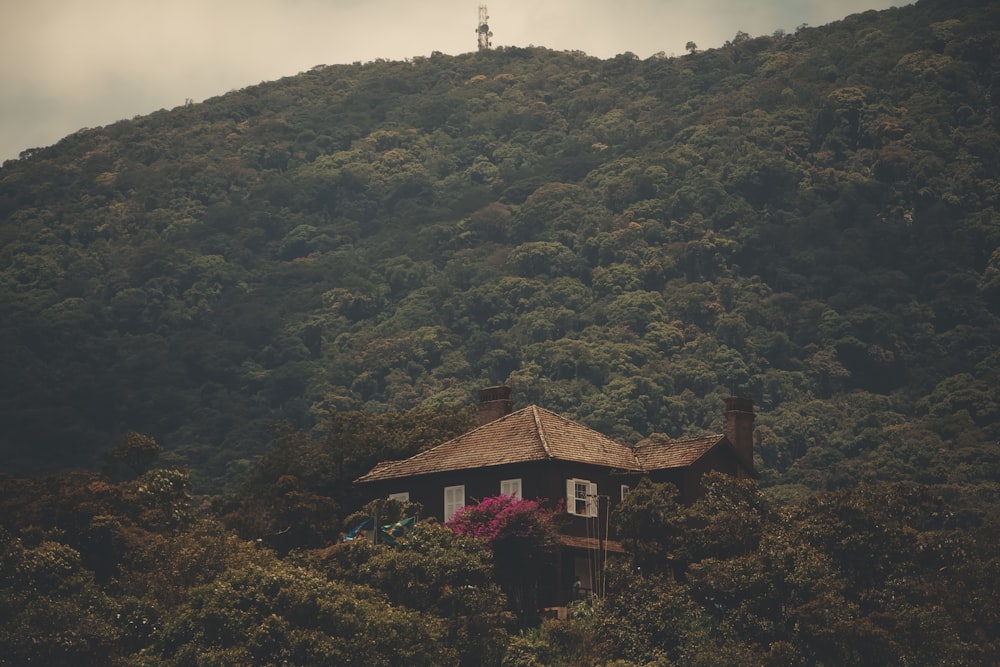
{"x":70,"y":64}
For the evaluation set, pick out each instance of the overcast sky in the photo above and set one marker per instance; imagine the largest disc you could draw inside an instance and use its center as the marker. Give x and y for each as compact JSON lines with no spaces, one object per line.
{"x":69,"y":64}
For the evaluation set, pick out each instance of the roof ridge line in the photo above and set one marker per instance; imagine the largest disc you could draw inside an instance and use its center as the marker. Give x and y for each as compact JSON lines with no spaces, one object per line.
{"x":541,"y":431}
{"x":613,"y":441}
{"x":461,"y":435}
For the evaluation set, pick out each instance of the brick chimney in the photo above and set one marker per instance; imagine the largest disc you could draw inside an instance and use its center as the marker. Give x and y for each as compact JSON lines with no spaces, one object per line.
{"x":494,"y":403}
{"x":739,"y":426}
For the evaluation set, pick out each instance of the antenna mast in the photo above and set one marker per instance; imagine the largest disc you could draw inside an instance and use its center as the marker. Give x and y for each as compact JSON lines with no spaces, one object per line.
{"x":483,"y":29}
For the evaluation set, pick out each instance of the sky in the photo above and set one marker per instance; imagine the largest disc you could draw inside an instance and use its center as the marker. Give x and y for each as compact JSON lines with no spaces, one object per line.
{"x":70,"y":64}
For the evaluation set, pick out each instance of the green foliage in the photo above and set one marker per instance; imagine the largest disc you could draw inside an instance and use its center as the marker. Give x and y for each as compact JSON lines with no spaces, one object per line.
{"x":160,"y":570}
{"x":440,"y":574}
{"x":888,"y":573}
{"x":99,"y":520}
{"x":847,"y":577}
{"x":281,"y":613}
{"x":164,"y":496}
{"x":649,"y":522}
{"x":297,"y":493}
{"x":136,"y":453}
{"x":650,"y":619}
{"x":809,"y":217}
{"x":660,"y":532}
{"x":53,"y":612}
{"x":558,"y":642}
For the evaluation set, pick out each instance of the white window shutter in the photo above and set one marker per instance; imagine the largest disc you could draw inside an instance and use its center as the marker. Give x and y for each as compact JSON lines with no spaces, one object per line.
{"x":571,"y":496}
{"x":592,"y":499}
{"x":511,"y":487}
{"x":454,"y":499}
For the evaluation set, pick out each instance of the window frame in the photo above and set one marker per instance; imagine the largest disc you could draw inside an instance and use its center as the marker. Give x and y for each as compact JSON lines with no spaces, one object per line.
{"x":514,"y":487}
{"x":574,"y":499}
{"x":451,"y":507}
{"x":400,"y":497}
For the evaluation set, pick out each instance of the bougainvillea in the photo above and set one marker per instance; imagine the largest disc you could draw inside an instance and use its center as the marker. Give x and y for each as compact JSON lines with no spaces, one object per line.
{"x":501,"y":518}
{"x":522,"y":535}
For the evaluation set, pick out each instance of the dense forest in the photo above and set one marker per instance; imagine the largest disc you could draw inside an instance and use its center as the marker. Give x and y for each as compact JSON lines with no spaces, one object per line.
{"x":808,"y":217}
{"x":213,"y":318}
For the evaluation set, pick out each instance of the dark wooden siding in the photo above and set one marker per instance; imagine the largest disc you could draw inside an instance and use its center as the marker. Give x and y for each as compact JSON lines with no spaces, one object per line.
{"x":540,"y":479}
{"x":547,"y":480}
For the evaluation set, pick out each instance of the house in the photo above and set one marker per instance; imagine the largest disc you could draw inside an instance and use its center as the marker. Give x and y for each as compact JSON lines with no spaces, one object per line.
{"x":535,"y":453}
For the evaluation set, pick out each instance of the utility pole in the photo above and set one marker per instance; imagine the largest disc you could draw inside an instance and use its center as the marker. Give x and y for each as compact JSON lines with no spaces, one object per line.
{"x":602,"y":554}
{"x":483,"y":29}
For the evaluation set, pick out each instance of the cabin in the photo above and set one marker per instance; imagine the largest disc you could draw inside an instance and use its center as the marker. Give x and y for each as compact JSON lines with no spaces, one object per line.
{"x":535,"y":453}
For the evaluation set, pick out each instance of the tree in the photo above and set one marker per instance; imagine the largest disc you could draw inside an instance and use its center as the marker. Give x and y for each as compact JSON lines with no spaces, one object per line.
{"x":53,"y":612}
{"x":294,"y":495}
{"x":649,"y":521}
{"x":664,"y":536}
{"x":285,"y":614}
{"x":437,"y":572}
{"x":136,"y":452}
{"x":649,"y":618}
{"x":521,"y":534}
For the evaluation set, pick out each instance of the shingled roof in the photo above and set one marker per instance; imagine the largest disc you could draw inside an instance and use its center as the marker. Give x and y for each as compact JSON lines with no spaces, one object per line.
{"x":674,"y":453}
{"x":536,"y":434}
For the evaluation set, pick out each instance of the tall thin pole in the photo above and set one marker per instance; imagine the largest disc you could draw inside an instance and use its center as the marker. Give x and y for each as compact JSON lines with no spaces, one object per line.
{"x":604,"y":554}
{"x":599,"y":584}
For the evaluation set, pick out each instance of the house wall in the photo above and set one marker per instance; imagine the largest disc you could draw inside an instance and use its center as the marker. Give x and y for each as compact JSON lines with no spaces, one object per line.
{"x":539,"y":479}
{"x":547,"y":480}
{"x":428,"y":490}
{"x":608,"y":490}
{"x":677,"y":477}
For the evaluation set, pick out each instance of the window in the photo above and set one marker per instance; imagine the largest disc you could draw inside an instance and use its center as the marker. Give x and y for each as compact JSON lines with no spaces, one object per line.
{"x":454,"y":500}
{"x":510,"y":487}
{"x":581,"y":497}
{"x":402,"y":496}
{"x":625,"y":490}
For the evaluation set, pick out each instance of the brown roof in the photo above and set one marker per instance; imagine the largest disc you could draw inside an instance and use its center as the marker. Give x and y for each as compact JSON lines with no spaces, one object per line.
{"x":536,"y":434}
{"x":675,"y":453}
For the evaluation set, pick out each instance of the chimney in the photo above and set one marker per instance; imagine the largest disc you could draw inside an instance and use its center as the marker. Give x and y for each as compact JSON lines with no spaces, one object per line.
{"x":494,"y":403}
{"x":739,"y":426}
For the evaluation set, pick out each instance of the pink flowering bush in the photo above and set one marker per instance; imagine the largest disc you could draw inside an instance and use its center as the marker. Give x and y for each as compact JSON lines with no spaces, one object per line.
{"x":501,"y":518}
{"x":522,"y":535}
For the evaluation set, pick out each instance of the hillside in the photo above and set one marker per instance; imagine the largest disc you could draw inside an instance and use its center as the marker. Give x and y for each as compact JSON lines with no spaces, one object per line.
{"x":811,"y":218}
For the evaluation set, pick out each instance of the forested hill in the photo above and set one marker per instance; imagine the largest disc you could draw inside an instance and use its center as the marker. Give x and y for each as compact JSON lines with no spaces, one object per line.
{"x":810,"y":218}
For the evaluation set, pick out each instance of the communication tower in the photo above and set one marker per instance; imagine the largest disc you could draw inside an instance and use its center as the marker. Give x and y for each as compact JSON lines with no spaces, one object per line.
{"x":483,"y":29}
